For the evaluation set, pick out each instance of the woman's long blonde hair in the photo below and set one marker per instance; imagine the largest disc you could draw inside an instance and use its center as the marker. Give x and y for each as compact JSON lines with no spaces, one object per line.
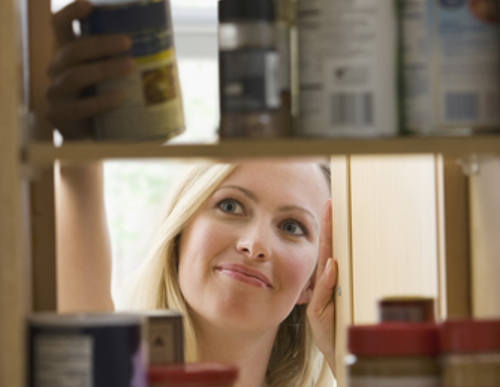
{"x":295,"y":360}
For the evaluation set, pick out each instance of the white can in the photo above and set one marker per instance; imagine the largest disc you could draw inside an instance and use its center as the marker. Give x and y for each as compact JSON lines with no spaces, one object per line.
{"x":451,"y":65}
{"x":347,"y":68}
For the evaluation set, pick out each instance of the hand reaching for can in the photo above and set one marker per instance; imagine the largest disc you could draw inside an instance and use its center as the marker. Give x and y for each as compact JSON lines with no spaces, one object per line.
{"x":80,"y":63}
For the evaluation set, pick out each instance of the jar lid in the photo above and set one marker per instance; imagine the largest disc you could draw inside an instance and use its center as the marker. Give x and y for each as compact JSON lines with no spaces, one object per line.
{"x":470,"y":336}
{"x":230,"y":10}
{"x":206,"y":373}
{"x":394,"y":339}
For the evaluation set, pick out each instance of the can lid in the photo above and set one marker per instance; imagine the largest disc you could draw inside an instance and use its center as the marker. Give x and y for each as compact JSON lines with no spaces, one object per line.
{"x":48,"y":319}
{"x":208,"y":373}
{"x":167,"y":313}
{"x":394,"y":339}
{"x":127,"y":17}
{"x":230,"y":10}
{"x":470,"y":336}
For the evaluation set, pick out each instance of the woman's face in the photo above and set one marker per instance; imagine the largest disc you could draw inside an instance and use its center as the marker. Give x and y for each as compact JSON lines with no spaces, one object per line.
{"x":248,"y":254}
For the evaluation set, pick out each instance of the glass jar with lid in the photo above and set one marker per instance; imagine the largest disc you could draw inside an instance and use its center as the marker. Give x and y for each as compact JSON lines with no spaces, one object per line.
{"x":393,"y":354}
{"x":249,"y":69}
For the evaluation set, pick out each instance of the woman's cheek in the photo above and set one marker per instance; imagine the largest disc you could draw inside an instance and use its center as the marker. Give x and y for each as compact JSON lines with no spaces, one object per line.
{"x":300,"y":264}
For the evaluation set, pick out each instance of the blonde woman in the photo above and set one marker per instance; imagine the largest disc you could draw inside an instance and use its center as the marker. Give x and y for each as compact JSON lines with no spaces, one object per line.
{"x":244,"y":251}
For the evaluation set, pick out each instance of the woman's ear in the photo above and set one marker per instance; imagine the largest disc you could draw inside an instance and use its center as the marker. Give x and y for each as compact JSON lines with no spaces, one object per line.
{"x":306,"y":294}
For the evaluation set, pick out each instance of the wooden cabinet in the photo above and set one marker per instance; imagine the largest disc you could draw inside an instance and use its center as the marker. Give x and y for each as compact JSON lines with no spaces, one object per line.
{"x":401,"y":223}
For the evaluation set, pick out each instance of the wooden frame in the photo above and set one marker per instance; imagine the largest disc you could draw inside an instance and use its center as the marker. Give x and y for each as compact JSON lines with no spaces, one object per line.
{"x":43,"y":233}
{"x":18,"y":296}
{"x":14,"y":296}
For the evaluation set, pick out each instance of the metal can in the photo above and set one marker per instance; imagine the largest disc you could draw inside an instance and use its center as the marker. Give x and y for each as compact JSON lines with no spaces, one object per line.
{"x":393,"y":354}
{"x":471,"y":353}
{"x":347,"y":68}
{"x":165,"y":337}
{"x":193,"y":375}
{"x":450,"y":66}
{"x":152,"y":109}
{"x":99,"y":350}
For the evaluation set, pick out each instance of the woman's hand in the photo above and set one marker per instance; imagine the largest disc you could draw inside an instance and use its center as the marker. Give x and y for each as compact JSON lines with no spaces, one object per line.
{"x":321,"y":308}
{"x":79,"y":63}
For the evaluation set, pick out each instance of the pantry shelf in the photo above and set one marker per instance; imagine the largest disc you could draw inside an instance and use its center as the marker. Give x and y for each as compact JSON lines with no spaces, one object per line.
{"x":45,"y":153}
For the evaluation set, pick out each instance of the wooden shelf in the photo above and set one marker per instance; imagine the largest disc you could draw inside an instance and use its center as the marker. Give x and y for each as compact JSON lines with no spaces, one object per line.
{"x":45,"y":153}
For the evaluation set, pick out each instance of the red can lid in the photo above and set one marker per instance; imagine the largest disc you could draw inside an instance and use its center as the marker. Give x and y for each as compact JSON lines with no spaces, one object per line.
{"x":394,"y":339}
{"x":206,"y":373}
{"x":470,"y":336}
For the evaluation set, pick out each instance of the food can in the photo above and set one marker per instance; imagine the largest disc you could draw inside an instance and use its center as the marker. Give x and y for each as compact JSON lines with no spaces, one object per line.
{"x":152,"y":109}
{"x":416,"y":309}
{"x":393,"y":355}
{"x":470,"y":353}
{"x":165,"y":337}
{"x":99,"y":350}
{"x":193,"y":375}
{"x":347,"y":68}
{"x":450,"y":66}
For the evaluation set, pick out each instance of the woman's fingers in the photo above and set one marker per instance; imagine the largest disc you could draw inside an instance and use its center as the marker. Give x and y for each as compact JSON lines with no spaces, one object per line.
{"x":325,"y":239}
{"x":322,"y":295}
{"x":62,"y":21}
{"x":88,"y":49}
{"x":73,"y":80}
{"x":321,"y":311}
{"x":69,"y":110}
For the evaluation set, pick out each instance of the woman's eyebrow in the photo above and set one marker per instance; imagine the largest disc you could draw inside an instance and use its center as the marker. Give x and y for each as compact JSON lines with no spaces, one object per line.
{"x":248,"y":193}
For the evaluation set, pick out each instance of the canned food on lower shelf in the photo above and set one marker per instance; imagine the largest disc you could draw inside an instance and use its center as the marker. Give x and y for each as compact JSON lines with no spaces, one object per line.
{"x":471,"y":353}
{"x":393,"y":354}
{"x":98,"y":350}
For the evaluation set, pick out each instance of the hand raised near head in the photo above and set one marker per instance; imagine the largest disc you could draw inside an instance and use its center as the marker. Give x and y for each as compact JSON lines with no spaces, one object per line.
{"x":321,"y":308}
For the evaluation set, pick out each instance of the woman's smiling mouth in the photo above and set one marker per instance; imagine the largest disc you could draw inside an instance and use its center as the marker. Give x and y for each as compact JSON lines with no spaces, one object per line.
{"x":244,"y":274}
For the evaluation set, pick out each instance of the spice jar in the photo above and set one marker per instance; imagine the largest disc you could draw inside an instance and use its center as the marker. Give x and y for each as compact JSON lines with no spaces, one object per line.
{"x":193,"y":375}
{"x":393,"y":354}
{"x":471,"y":353}
{"x":248,"y":69}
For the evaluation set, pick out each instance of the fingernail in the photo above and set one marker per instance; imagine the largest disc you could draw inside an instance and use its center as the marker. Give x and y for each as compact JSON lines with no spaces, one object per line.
{"x":328,"y":267}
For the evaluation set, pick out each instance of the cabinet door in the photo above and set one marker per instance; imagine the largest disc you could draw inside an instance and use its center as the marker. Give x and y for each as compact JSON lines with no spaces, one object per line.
{"x":394,"y":230}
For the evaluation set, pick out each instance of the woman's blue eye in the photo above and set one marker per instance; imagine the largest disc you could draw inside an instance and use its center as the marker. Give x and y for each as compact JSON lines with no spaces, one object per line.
{"x":293,"y":227}
{"x":230,"y":206}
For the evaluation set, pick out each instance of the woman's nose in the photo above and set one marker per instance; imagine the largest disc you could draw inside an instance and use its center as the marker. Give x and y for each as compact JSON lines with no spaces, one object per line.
{"x":254,"y":245}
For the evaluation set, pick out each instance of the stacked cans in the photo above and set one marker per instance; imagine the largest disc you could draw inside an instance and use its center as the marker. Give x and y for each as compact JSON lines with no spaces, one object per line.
{"x":373,"y":68}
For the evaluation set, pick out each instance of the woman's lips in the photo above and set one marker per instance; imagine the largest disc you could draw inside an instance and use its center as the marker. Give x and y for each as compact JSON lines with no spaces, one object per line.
{"x":244,"y":274}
